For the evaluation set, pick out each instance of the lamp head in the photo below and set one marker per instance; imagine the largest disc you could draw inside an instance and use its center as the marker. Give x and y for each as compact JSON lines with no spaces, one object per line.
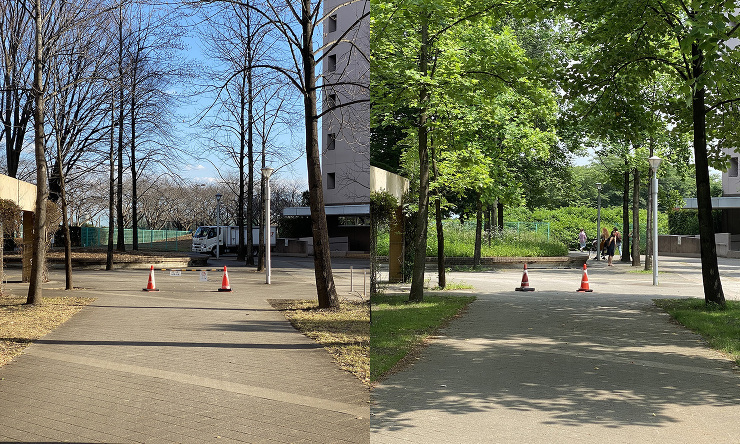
{"x":267,"y":172}
{"x":598,"y":186}
{"x":218,"y":197}
{"x":654,"y":162}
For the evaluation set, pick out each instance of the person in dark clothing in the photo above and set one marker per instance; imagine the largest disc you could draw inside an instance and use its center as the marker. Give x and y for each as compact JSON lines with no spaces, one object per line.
{"x":610,"y":244}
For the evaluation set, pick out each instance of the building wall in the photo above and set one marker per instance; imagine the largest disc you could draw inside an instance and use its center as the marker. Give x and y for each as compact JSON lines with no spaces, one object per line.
{"x":731,"y":177}
{"x":382,"y":180}
{"x":22,"y":193}
{"x":345,"y":131}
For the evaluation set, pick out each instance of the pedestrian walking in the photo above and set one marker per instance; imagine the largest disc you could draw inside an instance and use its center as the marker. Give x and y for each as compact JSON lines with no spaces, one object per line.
{"x":618,"y":238}
{"x":582,"y":239}
{"x":610,"y":245}
{"x":602,"y":243}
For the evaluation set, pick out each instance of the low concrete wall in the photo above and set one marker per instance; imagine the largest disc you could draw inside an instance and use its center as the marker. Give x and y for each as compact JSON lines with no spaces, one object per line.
{"x":728,"y":245}
{"x":678,"y":245}
{"x":290,"y":247}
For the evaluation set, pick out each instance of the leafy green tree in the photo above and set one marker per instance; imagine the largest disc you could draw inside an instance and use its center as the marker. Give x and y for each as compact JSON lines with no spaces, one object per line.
{"x":687,"y":40}
{"x":475,"y":110}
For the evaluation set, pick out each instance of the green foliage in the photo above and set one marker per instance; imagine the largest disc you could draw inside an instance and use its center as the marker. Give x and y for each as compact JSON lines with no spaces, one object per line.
{"x":398,"y":326}
{"x":460,"y":242}
{"x":718,"y":325}
{"x":565,"y":223}
{"x":687,"y":221}
{"x":382,"y":206}
{"x":488,"y":111}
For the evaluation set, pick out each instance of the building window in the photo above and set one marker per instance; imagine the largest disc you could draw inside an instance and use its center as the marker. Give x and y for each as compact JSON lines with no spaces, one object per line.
{"x":331,"y":141}
{"x":332,"y":63}
{"x":331,"y":101}
{"x":733,"y":167}
{"x":330,"y":181}
{"x":332,"y":24}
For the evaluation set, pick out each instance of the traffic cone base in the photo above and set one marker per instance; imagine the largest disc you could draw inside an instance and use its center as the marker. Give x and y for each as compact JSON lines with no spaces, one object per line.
{"x":525,"y":282}
{"x":225,"y":281}
{"x":584,"y":282}
{"x":150,"y":284}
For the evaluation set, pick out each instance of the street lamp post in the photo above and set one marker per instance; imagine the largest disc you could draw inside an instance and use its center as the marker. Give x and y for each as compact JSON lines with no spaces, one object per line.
{"x":267,"y":172}
{"x":218,"y":224}
{"x":598,"y":223}
{"x":654,"y":164}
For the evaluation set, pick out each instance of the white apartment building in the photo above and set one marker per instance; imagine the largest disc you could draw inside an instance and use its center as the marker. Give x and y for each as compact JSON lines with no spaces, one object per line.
{"x":345,"y":132}
{"x":345,"y":123}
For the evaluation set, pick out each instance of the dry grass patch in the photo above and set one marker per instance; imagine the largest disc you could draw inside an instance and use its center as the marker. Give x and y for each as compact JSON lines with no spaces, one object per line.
{"x":22,"y":324}
{"x":344,"y":332}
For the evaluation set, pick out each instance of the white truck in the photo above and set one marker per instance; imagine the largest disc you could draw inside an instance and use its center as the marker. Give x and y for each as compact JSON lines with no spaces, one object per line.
{"x":204,"y":238}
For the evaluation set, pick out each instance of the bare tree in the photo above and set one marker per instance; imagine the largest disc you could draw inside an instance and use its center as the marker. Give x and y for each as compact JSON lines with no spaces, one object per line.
{"x":16,"y":67}
{"x":236,"y":38}
{"x":39,"y":224}
{"x":77,"y":115}
{"x":299,"y":23}
{"x":153,"y":40}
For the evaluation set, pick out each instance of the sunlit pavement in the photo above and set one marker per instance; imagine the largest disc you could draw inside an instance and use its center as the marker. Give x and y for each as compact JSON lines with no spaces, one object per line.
{"x":559,"y":366}
{"x":185,"y":364}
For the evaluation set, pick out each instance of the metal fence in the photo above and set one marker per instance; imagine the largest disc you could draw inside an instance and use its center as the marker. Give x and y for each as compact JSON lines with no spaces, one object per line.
{"x":157,"y":240}
{"x":541,"y":228}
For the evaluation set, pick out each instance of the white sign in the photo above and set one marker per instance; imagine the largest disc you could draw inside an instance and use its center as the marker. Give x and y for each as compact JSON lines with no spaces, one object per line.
{"x":204,"y":276}
{"x":175,"y":272}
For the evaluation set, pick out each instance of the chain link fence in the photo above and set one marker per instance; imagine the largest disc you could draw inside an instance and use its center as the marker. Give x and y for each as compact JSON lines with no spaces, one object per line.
{"x":154,"y":240}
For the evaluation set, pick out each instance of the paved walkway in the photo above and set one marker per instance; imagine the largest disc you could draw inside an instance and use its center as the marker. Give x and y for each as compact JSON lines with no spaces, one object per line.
{"x":556,"y":366}
{"x":187,"y":364}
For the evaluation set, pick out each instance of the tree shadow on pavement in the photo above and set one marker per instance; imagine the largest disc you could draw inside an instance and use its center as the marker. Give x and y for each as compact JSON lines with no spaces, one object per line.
{"x":577,"y":359}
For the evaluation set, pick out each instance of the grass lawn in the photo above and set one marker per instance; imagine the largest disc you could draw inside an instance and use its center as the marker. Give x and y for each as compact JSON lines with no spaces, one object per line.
{"x":398,"y":326}
{"x":720,"y":328}
{"x":22,"y":324}
{"x":345,"y":332}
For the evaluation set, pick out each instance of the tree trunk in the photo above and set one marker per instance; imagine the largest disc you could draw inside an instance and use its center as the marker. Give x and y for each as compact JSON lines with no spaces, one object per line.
{"x":500,"y":211}
{"x":441,"y":276}
{"x":65,"y":222}
{"x":709,"y":268}
{"x":417,"y":278}
{"x":134,"y":200}
{"x":261,"y":251}
{"x":635,"y":218}
{"x":35,"y":294}
{"x":250,"y":141}
{"x":111,"y":184}
{"x":487,"y":222}
{"x":478,"y":232}
{"x":242,"y":147}
{"x":326,"y":291}
{"x":120,"y":240}
{"x":625,"y":256}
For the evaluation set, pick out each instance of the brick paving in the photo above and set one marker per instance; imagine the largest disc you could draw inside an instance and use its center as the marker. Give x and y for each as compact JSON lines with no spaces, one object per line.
{"x":186,"y":364}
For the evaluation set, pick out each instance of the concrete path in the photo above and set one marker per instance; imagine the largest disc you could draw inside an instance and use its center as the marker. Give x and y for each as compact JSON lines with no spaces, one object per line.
{"x":556,"y":366}
{"x":186,"y":364}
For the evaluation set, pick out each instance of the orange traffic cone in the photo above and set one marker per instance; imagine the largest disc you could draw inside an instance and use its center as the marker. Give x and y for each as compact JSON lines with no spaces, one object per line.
{"x":584,"y":281}
{"x":150,"y":285}
{"x":225,"y":281}
{"x":525,"y":282}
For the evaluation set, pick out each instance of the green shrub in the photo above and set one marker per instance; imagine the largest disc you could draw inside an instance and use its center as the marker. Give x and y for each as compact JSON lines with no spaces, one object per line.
{"x":687,"y":221}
